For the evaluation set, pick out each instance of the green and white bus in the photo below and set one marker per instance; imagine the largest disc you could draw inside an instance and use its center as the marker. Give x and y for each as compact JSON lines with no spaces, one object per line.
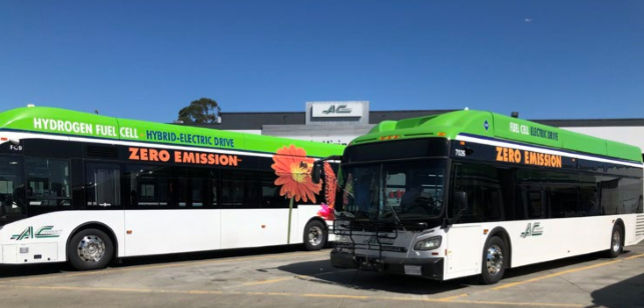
{"x":89,"y":189}
{"x":471,"y":193}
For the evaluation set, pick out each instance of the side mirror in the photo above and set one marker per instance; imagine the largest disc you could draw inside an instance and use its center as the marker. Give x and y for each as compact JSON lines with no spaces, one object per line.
{"x":460,"y":200}
{"x":316,"y":172}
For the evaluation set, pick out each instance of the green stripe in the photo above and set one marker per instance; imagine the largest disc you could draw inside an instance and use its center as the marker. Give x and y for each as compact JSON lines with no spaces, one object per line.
{"x":501,"y":127}
{"x":74,"y":123}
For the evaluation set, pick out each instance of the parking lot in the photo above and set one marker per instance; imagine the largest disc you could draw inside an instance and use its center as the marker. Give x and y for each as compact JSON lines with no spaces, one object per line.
{"x":288,"y":277}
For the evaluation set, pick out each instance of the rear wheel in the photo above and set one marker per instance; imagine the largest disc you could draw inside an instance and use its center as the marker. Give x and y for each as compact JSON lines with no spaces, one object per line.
{"x":315,"y":235}
{"x":616,"y":238}
{"x":90,"y":249}
{"x":494,"y":261}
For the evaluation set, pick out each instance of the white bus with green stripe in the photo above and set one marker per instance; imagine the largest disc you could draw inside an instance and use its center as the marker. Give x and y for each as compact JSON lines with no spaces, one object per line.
{"x":91,"y":189}
{"x":471,"y":193}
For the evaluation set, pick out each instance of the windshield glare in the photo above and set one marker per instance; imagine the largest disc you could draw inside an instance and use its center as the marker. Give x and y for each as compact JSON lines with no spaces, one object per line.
{"x":393,"y":191}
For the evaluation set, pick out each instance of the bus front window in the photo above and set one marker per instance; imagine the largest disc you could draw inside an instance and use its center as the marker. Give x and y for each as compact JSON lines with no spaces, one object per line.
{"x":411,"y":190}
{"x":12,"y":188}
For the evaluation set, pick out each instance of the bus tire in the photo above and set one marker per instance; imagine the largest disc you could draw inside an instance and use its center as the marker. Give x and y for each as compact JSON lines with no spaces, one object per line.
{"x":315,"y":235}
{"x":616,"y":238}
{"x":494,"y":261}
{"x":90,"y":249}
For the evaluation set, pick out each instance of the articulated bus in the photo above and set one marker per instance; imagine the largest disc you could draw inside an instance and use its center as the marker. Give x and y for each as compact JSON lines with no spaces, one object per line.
{"x":90,"y":189}
{"x":470,"y":193}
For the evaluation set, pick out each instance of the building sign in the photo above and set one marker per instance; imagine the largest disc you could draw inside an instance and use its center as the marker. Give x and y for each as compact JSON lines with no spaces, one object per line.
{"x":335,"y":110}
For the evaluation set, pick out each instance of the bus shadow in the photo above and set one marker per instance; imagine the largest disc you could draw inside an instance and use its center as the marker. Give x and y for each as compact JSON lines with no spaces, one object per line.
{"x":626,"y":293}
{"x":205,"y":255}
{"x":26,"y":270}
{"x":322,"y":272}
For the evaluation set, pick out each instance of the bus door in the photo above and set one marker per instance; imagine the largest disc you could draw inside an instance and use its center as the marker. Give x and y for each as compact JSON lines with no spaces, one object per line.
{"x":13,"y":194}
{"x":463,"y":252}
{"x":170,"y":209}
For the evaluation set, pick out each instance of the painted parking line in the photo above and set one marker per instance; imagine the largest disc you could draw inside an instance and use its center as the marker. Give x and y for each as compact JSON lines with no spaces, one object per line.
{"x":263,"y":282}
{"x":451,"y":298}
{"x":160,"y":266}
{"x":514,"y":284}
{"x":293,"y":295}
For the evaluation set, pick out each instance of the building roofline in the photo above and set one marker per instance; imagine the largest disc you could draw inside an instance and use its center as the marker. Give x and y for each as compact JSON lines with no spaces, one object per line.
{"x":592,"y":122}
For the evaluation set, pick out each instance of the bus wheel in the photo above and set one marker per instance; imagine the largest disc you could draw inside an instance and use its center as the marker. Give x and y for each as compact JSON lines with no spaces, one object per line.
{"x":90,"y":249}
{"x":616,"y":242}
{"x":315,"y":235}
{"x":494,"y":261}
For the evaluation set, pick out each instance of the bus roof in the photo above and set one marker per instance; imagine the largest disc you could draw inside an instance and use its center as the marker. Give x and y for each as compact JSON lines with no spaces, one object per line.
{"x":491,"y":125}
{"x":58,"y":121}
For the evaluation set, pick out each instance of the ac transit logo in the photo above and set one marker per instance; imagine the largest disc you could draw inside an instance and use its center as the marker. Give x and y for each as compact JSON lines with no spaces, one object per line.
{"x":339,"y":109}
{"x":43,"y":232}
{"x":532,"y":230}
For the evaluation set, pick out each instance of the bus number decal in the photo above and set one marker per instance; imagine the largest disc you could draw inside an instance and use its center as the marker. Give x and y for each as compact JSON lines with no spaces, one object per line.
{"x":532,"y":230}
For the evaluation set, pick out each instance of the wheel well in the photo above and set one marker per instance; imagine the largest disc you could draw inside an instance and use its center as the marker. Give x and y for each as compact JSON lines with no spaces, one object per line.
{"x":326,"y":227}
{"x":619,"y":222}
{"x":320,"y":220}
{"x":98,"y":226}
{"x":503,"y":234}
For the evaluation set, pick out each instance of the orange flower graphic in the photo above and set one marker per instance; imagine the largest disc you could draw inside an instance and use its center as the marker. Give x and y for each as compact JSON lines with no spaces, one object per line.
{"x":331,"y":185}
{"x":293,"y":169}
{"x":326,"y":210}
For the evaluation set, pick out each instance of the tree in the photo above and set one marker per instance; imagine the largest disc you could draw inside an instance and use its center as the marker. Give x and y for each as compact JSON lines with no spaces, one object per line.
{"x":203,"y":110}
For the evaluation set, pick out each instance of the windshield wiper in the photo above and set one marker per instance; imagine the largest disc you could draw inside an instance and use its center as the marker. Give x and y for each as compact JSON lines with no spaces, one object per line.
{"x":386,"y":201}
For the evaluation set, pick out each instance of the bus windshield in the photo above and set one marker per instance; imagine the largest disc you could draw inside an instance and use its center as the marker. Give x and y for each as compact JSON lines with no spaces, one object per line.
{"x":12,"y":190}
{"x":398,"y":191}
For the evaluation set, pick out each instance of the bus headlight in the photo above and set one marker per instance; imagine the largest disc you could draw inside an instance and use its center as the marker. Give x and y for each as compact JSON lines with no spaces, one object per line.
{"x":428,"y":244}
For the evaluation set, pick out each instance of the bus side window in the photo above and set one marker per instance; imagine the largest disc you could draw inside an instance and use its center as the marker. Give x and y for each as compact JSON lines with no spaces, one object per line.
{"x":531,"y":193}
{"x":481,"y":183}
{"x":103,"y":187}
{"x":563,"y":196}
{"x":194,"y":188}
{"x":48,"y":182}
{"x":12,"y":188}
{"x":149,"y":186}
{"x":271,"y":197}
{"x":240,"y":189}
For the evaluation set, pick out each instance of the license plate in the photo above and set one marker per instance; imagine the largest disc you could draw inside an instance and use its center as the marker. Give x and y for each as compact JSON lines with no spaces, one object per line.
{"x":412,"y":270}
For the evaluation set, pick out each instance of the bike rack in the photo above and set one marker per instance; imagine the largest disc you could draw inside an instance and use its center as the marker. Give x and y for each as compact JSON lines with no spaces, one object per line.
{"x":380,"y":229}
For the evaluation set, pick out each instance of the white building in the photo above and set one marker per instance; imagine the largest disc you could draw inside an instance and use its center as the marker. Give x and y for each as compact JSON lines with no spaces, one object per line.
{"x":341,"y":121}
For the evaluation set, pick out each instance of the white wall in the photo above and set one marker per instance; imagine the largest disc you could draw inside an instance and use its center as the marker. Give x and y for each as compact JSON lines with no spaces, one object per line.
{"x":627,"y":134}
{"x":246,"y":131}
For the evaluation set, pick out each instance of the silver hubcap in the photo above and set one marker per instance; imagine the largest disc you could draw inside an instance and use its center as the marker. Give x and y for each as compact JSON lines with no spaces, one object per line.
{"x":315,"y":235}
{"x":91,"y":248}
{"x":617,"y":241}
{"x":494,"y":259}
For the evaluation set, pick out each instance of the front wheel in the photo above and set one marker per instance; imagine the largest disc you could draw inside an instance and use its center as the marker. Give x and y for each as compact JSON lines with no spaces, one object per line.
{"x":616,"y":242}
{"x":90,"y":249}
{"x":315,"y":235}
{"x":494,"y":261}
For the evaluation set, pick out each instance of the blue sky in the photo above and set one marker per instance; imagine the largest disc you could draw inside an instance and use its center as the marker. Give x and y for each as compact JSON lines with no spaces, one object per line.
{"x":148,"y":59}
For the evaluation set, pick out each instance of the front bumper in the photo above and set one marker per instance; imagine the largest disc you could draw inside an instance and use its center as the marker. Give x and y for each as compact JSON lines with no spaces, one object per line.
{"x":429,"y":267}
